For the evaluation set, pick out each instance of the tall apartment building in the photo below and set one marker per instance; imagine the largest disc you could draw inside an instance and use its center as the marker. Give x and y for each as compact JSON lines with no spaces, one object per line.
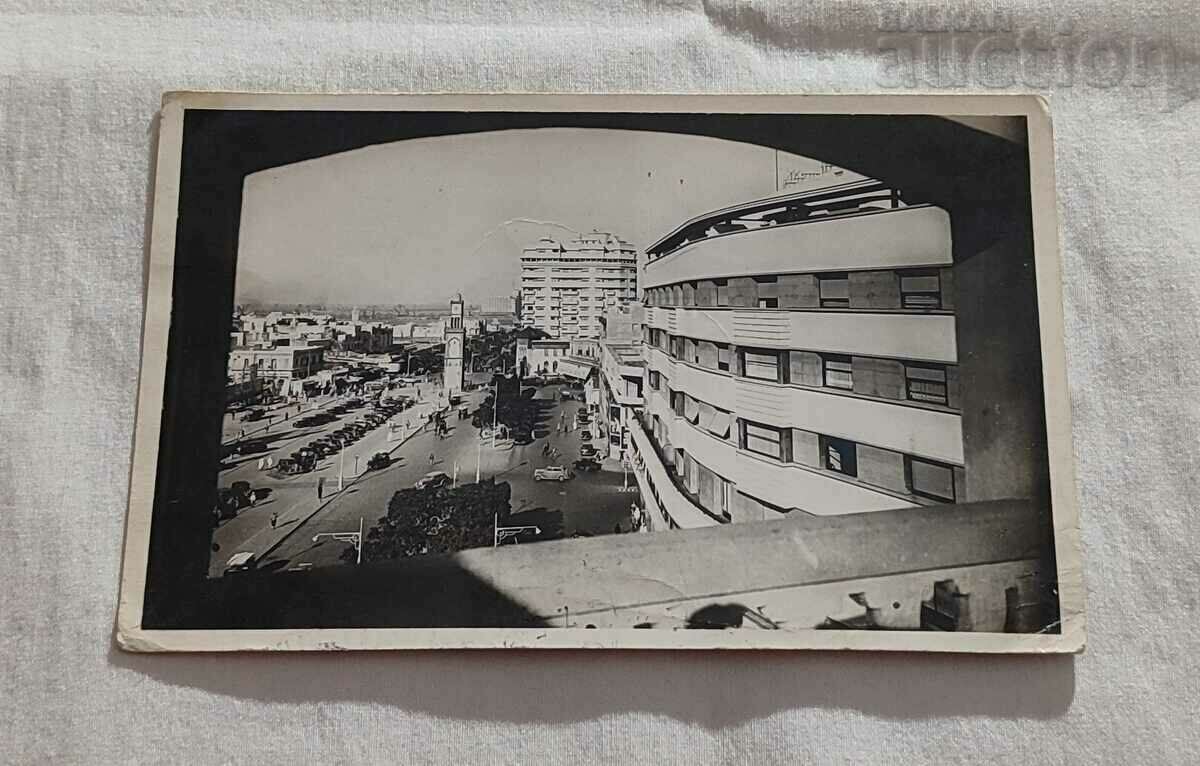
{"x":566,"y":287}
{"x":802,"y":355}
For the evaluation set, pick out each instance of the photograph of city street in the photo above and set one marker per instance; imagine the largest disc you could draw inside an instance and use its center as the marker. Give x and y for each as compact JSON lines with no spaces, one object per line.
{"x":736,"y":373}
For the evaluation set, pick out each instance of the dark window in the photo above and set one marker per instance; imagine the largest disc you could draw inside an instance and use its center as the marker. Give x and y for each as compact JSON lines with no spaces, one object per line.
{"x":723,"y":356}
{"x":676,"y":344}
{"x":761,"y":365}
{"x":920,"y":289}
{"x":655,"y":379}
{"x":839,"y":455}
{"x":834,"y":290}
{"x":765,"y":440}
{"x":926,"y":383}
{"x":768,"y":303}
{"x":929,"y":479}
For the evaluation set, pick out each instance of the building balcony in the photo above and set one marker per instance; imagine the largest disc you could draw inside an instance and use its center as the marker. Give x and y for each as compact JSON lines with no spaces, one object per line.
{"x":658,"y":486}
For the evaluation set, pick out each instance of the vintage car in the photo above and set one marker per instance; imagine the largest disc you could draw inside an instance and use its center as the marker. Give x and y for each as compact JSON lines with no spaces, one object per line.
{"x":232,"y":499}
{"x":433,"y":480}
{"x":243,"y":561}
{"x":379,"y":460}
{"x":551,"y":473}
{"x":586,"y":465}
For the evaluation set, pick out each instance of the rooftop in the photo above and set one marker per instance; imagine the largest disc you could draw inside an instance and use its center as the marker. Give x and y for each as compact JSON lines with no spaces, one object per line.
{"x":796,"y":207}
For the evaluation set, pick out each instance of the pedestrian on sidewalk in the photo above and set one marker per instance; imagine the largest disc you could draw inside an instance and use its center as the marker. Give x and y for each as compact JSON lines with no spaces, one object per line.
{"x":320,"y":487}
{"x":274,"y":519}
{"x":431,"y":458}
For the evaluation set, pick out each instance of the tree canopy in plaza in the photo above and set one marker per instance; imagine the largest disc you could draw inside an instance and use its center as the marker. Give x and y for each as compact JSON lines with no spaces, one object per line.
{"x":437,"y":520}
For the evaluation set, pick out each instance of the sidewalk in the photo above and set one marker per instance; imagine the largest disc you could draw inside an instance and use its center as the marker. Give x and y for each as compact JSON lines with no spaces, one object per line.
{"x":412,"y":423}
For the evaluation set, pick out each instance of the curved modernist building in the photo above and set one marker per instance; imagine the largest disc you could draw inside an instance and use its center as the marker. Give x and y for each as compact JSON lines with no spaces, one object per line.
{"x":802,"y":356}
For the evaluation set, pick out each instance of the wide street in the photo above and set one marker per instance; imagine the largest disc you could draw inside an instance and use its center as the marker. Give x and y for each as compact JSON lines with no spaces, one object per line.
{"x":294,"y":497}
{"x":590,"y":503}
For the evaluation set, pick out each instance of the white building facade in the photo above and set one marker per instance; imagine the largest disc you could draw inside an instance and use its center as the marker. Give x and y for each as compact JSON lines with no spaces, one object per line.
{"x":801,"y":357}
{"x":566,"y":287}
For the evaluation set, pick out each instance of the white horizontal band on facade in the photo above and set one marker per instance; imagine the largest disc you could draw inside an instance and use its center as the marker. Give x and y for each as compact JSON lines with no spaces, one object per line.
{"x":917,"y":431}
{"x":886,"y":239}
{"x":913,"y":337}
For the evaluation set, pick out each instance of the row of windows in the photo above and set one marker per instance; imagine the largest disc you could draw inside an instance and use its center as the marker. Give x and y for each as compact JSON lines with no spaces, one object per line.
{"x":885,"y":378}
{"x":917,"y":289}
{"x":921,"y":477}
{"x":891,"y":470}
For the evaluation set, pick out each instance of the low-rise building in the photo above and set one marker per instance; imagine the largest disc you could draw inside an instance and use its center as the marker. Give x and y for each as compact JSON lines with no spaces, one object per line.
{"x":277,"y":366}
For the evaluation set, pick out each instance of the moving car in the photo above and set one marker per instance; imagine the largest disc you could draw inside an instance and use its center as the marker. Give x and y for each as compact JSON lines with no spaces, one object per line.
{"x":433,"y":479}
{"x":551,"y":473}
{"x":254,"y":414}
{"x":379,"y":460}
{"x":588,"y":451}
{"x":244,"y":561}
{"x":586,"y":465}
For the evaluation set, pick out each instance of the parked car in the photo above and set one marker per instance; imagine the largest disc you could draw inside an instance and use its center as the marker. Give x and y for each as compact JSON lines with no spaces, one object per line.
{"x":588,"y":451}
{"x":585,"y":435}
{"x":232,"y":499}
{"x":243,"y":561}
{"x":379,"y":460}
{"x":582,"y":418}
{"x":254,"y":414}
{"x":551,"y":473}
{"x":433,"y":479}
{"x":586,"y":465}
{"x":522,"y":437}
{"x":304,"y":458}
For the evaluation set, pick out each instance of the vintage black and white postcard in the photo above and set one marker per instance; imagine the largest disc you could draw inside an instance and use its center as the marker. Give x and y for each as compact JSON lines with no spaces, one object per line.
{"x":603,"y":371}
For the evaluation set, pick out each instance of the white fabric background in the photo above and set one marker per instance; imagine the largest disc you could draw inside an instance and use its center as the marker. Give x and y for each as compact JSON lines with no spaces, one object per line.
{"x":80,"y":87}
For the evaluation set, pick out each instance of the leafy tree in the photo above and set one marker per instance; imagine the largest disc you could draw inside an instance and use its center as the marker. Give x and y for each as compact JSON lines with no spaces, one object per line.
{"x":437,"y":520}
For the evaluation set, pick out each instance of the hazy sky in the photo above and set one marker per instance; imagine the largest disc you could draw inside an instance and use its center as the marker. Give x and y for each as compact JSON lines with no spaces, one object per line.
{"x":416,"y":221}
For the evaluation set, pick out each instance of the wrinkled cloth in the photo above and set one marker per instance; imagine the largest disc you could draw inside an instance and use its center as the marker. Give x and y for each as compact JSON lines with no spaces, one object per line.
{"x":81,"y":84}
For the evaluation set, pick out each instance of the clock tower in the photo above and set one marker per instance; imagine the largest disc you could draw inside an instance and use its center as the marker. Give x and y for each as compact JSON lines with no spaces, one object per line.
{"x":455,"y":336}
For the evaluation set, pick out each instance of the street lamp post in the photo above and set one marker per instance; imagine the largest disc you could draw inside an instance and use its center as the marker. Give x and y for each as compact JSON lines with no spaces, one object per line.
{"x":356,"y":465}
{"x":341,"y":463}
{"x":478,"y":459}
{"x":500,"y":534}
{"x":495,"y":414}
{"x":355,"y":538}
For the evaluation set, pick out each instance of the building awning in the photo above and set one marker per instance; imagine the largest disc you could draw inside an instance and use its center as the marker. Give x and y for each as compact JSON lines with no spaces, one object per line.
{"x":714,"y":421}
